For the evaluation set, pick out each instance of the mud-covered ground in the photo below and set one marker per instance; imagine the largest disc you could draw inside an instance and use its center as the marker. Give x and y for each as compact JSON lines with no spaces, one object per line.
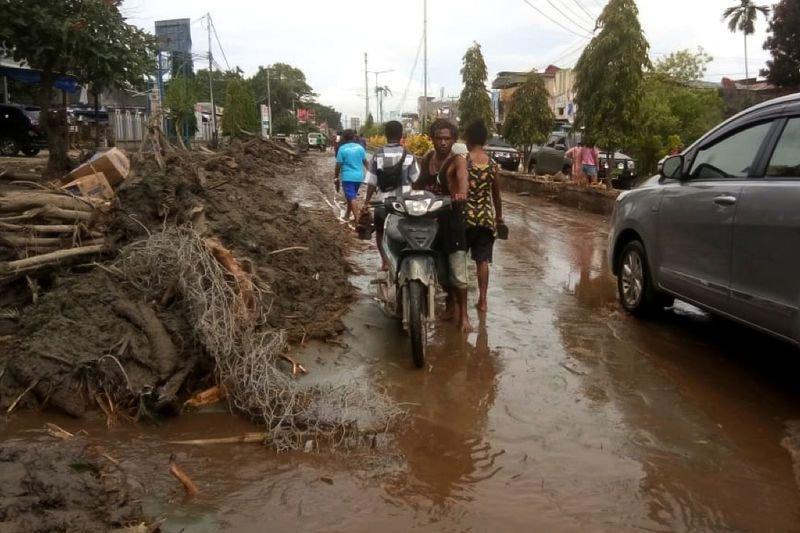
{"x":559,"y":413}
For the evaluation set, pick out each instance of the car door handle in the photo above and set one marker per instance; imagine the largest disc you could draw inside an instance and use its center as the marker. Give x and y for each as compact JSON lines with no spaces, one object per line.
{"x":725,"y":199}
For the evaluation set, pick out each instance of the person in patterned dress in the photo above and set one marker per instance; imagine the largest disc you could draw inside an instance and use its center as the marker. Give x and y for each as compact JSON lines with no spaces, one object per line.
{"x":484,"y":209}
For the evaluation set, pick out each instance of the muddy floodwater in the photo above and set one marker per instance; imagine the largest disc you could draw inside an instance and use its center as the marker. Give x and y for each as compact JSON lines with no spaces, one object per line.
{"x":559,"y":413}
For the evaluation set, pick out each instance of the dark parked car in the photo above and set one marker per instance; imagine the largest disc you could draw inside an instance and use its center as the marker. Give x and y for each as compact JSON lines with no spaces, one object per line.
{"x":503,"y":153}
{"x":19,"y":130}
{"x":719,"y":226}
{"x":551,"y":158}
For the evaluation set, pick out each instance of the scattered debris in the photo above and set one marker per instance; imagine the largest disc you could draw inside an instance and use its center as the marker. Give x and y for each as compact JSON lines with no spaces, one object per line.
{"x":179,"y":474}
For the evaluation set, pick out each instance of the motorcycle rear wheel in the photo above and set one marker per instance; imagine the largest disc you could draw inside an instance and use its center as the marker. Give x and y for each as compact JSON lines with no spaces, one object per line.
{"x":418,"y":323}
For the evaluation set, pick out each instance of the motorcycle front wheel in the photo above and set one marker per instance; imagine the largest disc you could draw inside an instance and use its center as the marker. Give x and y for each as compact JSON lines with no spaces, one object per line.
{"x":417,"y":322}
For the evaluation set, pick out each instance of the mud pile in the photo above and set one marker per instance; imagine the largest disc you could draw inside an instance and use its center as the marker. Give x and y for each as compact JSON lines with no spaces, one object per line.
{"x":94,"y":339}
{"x":67,"y":485}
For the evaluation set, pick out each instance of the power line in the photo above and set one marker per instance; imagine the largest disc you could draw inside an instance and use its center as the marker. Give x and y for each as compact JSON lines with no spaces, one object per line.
{"x":214,"y":29}
{"x":565,"y":15}
{"x":557,"y":23}
{"x":410,"y":77}
{"x":580,"y":5}
{"x":580,"y":44}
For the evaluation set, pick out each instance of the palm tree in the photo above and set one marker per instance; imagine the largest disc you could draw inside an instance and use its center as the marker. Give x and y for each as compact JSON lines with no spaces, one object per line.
{"x":743,"y":18}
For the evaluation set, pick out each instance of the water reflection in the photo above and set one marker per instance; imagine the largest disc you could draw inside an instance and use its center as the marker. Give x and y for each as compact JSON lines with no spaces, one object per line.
{"x":445,"y":448}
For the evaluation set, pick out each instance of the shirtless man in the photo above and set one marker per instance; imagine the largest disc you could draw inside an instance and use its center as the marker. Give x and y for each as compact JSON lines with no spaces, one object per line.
{"x":444,"y":172}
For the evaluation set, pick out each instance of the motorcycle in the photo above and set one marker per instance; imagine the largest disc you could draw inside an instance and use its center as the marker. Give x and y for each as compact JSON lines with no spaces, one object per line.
{"x":408,"y":289}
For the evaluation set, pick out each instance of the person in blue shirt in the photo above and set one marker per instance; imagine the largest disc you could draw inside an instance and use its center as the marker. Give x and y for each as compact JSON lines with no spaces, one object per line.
{"x":351,"y":165}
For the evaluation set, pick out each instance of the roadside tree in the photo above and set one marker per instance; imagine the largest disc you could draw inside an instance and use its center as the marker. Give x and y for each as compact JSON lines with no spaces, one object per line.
{"x":180,"y":98}
{"x":784,"y":45}
{"x":240,"y":117}
{"x":610,"y":77}
{"x":529,"y":119}
{"x":219,"y":80}
{"x":684,"y":65}
{"x":474,"y":102}
{"x":88,"y":39}
{"x":742,"y":17}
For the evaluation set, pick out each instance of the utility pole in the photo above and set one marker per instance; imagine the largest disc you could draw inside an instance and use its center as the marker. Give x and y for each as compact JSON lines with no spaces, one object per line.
{"x":269,"y":104}
{"x":211,"y":87}
{"x":379,"y":93}
{"x":366,"y":89}
{"x":425,"y":62}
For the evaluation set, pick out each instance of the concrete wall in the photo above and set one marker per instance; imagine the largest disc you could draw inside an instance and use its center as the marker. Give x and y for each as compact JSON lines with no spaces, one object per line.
{"x":598,"y":201}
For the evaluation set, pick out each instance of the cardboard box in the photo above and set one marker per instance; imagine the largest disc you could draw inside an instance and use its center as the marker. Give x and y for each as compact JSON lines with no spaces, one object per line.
{"x":93,"y":186}
{"x":113,"y":163}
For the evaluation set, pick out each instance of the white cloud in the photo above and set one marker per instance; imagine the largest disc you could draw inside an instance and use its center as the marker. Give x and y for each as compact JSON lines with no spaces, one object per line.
{"x":327,"y":40}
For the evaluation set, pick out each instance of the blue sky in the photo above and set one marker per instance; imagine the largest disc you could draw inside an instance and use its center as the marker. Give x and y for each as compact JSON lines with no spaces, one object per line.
{"x":327,"y":39}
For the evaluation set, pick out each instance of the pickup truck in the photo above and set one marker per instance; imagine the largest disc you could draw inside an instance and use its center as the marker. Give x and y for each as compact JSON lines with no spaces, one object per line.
{"x":551,"y":158}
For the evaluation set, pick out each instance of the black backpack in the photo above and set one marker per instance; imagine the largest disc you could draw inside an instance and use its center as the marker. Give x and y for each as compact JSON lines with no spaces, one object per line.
{"x":389,"y":178}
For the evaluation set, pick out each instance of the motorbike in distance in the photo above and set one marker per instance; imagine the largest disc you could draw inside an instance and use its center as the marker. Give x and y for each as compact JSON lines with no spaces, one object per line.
{"x":408,"y":289}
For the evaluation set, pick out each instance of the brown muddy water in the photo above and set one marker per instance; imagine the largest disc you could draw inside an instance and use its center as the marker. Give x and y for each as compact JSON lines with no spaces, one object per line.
{"x":557,"y":413}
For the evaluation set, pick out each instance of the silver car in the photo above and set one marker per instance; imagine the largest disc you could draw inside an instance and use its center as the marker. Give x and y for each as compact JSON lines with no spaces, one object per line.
{"x":720,"y":226}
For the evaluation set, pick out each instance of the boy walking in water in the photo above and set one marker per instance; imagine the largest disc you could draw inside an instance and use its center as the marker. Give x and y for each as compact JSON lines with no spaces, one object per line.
{"x":484,"y":210}
{"x":351,"y":164}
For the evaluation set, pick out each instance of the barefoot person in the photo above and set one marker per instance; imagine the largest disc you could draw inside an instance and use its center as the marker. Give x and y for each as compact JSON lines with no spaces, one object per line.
{"x":391,"y":172}
{"x":484,"y":209}
{"x":351,"y":164}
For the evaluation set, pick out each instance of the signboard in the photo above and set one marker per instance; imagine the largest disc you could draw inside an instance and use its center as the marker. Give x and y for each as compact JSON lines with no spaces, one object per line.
{"x":264,"y":120}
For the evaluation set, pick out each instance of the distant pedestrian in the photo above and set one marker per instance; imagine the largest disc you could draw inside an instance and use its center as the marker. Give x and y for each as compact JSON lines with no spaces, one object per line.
{"x":362,"y":141}
{"x":590,"y":157}
{"x":574,"y":154}
{"x":351,"y":166}
{"x":484,"y":210}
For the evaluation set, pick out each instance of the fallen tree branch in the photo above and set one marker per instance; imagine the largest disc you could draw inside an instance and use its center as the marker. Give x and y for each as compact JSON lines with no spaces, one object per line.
{"x":53,"y":258}
{"x":188,"y":485}
{"x":246,"y":438}
{"x":52,"y":212}
{"x":141,"y":315}
{"x":290,"y":248}
{"x":41,"y":228}
{"x":20,"y":200}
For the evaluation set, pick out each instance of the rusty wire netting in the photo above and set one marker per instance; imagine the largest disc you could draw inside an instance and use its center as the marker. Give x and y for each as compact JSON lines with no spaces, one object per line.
{"x":247,"y":352}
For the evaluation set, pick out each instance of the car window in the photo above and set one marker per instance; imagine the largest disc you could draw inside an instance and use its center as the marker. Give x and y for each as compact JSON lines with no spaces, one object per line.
{"x":785,"y":162}
{"x":731,"y":157}
{"x":554,"y":140}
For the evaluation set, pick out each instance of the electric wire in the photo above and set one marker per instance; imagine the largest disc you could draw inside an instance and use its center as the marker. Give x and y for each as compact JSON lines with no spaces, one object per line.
{"x":214,"y":29}
{"x":592,"y":17}
{"x":566,"y":17}
{"x":410,"y":77}
{"x":548,"y":17}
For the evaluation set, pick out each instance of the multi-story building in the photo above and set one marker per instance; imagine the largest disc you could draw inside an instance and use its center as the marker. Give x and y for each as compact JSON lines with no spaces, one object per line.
{"x":558,"y":82}
{"x":355,"y":123}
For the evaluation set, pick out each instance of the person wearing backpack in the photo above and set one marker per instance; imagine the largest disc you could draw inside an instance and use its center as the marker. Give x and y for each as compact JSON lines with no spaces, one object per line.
{"x":392,"y":171}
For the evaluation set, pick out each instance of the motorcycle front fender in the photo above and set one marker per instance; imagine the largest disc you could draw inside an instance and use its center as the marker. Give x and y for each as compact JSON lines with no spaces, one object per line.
{"x":420,"y":268}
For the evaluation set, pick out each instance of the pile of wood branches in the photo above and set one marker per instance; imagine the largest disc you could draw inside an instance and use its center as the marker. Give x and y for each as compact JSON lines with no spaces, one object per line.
{"x":42,"y":226}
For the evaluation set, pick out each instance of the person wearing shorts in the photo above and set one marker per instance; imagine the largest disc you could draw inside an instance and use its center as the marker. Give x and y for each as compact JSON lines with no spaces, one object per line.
{"x":590,"y":155}
{"x":484,"y":209}
{"x":351,"y":166}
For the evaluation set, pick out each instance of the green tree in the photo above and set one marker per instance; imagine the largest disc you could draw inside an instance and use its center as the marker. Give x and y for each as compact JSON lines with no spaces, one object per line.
{"x":240,"y":109}
{"x":327,"y":114}
{"x":529,"y":118}
{"x":742,"y":18}
{"x":88,"y":39}
{"x":684,"y":65}
{"x":474,"y":102}
{"x":180,"y":98}
{"x":369,"y":128}
{"x":219,"y":80}
{"x":288,"y":88}
{"x":609,"y":77}
{"x":784,"y":45}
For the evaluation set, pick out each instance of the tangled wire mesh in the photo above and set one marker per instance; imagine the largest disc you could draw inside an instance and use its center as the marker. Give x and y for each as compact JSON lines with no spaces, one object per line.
{"x":247,"y":351}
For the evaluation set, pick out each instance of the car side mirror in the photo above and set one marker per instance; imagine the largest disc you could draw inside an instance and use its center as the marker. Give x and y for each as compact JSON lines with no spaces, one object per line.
{"x":673,"y":167}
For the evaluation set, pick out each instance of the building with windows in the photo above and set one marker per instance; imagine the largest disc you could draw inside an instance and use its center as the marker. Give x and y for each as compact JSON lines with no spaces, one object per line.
{"x":558,"y":82}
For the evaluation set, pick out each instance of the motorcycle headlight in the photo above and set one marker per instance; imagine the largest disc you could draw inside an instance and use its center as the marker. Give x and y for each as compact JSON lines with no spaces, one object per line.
{"x":417,"y":207}
{"x":621,"y":166}
{"x":435,"y":206}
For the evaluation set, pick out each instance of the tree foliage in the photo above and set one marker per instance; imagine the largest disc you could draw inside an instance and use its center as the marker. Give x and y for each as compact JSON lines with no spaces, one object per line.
{"x":784,"y":45}
{"x":180,"y":98}
{"x":88,"y":39}
{"x":240,"y":109}
{"x":684,"y":65}
{"x":609,"y":76}
{"x":474,"y":102}
{"x":369,"y":128}
{"x":529,"y":118}
{"x":742,"y":17}
{"x":287,"y":86}
{"x":219,"y":80}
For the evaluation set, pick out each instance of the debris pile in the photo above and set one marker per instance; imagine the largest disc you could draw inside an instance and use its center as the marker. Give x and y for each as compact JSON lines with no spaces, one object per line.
{"x":211,"y":269}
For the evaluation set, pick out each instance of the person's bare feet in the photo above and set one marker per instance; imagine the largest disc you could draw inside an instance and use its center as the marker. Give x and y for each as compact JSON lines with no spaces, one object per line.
{"x":464,"y":325}
{"x":482,"y":306}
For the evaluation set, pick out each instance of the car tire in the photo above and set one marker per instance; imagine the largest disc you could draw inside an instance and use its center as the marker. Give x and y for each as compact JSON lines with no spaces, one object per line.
{"x":8,"y":147}
{"x":637,"y":293}
{"x":30,"y":152}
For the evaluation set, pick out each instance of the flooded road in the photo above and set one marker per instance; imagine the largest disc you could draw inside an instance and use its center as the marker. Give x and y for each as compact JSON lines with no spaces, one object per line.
{"x":558,"y":413}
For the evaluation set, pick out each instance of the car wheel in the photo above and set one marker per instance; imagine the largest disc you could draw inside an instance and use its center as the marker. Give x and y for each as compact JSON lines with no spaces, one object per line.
{"x":8,"y":147}
{"x":30,"y":152}
{"x":637,"y":292}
